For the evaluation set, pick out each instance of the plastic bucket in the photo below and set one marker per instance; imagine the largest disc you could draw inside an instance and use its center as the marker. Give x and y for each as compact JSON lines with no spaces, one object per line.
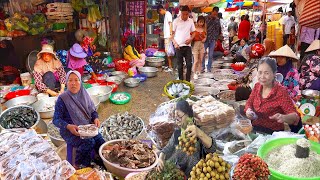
{"x":26,"y":79}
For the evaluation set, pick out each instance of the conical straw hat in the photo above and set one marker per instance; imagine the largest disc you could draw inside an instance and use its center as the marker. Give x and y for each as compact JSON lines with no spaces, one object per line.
{"x":284,"y":51}
{"x":315,"y":45}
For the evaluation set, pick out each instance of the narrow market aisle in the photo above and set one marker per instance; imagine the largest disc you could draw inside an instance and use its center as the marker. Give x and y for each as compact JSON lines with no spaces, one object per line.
{"x":145,"y":98}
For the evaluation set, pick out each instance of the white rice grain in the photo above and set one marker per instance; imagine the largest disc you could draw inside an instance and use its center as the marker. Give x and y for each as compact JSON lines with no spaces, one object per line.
{"x":282,"y":159}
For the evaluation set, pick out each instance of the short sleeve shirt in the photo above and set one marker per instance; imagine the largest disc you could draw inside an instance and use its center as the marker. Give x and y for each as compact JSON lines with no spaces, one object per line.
{"x":213,"y":28}
{"x":166,"y":26}
{"x":288,"y":22}
{"x":278,"y":101}
{"x":182,"y":30}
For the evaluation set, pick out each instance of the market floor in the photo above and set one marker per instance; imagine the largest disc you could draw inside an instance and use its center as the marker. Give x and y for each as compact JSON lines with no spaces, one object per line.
{"x":145,"y":99}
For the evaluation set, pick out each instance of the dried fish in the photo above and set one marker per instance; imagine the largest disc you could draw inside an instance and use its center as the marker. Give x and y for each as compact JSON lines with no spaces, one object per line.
{"x":121,"y":126}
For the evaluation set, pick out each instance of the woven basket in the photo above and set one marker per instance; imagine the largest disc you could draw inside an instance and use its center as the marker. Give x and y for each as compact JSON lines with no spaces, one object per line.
{"x":165,"y":89}
{"x":55,"y":5}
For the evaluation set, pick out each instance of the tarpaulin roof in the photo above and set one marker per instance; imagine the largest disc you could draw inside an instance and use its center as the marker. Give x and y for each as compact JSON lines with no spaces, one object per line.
{"x":310,"y":16}
{"x":197,"y":3}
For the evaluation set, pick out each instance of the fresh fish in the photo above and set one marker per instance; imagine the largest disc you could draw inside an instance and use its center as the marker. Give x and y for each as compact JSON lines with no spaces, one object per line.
{"x":180,"y":87}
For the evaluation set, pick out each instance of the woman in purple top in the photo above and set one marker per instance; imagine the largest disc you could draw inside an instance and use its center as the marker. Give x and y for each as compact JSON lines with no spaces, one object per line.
{"x":73,"y":108}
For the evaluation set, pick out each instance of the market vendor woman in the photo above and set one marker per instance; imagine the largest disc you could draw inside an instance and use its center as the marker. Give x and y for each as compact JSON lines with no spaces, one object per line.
{"x":48,"y":72}
{"x":73,"y":108}
{"x":205,"y":144}
{"x":269,"y":105}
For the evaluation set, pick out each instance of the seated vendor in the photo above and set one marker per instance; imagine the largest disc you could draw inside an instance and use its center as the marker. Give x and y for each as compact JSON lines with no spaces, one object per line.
{"x":205,"y":144}
{"x":73,"y":108}
{"x":76,"y":60}
{"x":285,"y":60}
{"x":48,"y":72}
{"x":269,"y":105}
{"x":131,"y":54}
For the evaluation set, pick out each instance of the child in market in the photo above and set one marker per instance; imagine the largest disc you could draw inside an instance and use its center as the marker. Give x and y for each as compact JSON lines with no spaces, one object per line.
{"x":252,"y":38}
{"x":198,"y":46}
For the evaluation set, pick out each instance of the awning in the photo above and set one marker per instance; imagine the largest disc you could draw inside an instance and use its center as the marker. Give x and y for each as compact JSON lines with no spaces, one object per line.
{"x":197,"y":3}
{"x":310,"y":16}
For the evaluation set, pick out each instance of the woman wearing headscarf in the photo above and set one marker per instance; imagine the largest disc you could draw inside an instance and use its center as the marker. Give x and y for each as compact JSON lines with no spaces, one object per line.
{"x":48,"y":72}
{"x":310,"y":68}
{"x":131,"y":54}
{"x":285,"y":57}
{"x":73,"y":108}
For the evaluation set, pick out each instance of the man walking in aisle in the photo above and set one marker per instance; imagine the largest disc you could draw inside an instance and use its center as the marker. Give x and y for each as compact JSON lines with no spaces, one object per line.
{"x":183,"y":27}
{"x":167,"y":32}
{"x":213,"y":32}
{"x":287,"y":22}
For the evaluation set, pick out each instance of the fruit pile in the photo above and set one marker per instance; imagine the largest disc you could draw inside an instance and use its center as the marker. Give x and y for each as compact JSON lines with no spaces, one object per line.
{"x":187,"y":144}
{"x":251,"y":167}
{"x":212,"y":167}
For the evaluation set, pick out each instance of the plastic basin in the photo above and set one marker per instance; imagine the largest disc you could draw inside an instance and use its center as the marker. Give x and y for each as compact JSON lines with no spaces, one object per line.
{"x":116,"y":168}
{"x":272,"y":144}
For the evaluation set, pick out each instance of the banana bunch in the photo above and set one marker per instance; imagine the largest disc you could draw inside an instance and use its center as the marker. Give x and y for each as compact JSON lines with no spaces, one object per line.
{"x":94,"y":14}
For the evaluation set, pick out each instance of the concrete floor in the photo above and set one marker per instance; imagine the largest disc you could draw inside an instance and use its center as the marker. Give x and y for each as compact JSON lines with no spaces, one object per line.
{"x":145,"y":98}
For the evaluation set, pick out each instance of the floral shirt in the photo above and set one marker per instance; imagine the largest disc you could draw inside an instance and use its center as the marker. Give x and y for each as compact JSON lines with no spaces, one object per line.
{"x":310,"y":71}
{"x":278,"y":101}
{"x":60,"y":75}
{"x":62,"y":54}
{"x":291,"y":83}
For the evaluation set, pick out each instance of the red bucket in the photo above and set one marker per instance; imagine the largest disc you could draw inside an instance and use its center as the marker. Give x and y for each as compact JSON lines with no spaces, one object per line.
{"x":122,"y":65}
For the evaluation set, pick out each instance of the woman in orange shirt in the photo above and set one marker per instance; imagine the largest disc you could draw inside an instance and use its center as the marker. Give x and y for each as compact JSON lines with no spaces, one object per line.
{"x":198,"y":46}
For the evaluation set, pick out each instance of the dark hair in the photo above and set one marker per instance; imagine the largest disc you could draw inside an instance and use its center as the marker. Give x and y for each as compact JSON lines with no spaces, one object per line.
{"x":270,"y":61}
{"x":216,"y":9}
{"x":201,"y":18}
{"x":185,"y":8}
{"x":245,"y":40}
{"x":220,"y":15}
{"x":159,"y":8}
{"x":246,"y":17}
{"x":252,"y":32}
{"x":184,"y":106}
{"x":232,"y":18}
{"x":243,"y":17}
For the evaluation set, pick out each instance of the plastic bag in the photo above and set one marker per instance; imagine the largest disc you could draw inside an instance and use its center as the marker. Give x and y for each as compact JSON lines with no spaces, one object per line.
{"x":46,"y":161}
{"x":150,"y":52}
{"x":88,"y":131}
{"x":11,"y":163}
{"x":26,"y":170}
{"x":132,"y":71}
{"x":170,"y":50}
{"x":159,"y":54}
{"x":61,"y":171}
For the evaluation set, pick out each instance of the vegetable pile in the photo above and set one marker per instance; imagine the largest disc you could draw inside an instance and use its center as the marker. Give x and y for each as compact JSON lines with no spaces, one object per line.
{"x":130,"y":154}
{"x":251,"y":167}
{"x":170,"y":171}
{"x":212,"y":167}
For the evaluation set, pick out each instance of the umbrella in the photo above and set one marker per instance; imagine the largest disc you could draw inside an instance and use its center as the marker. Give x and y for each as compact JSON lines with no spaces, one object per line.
{"x":310,"y":14}
{"x":197,"y":3}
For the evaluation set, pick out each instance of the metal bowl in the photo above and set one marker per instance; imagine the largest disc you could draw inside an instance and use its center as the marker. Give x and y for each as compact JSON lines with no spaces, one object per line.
{"x":149,"y":71}
{"x":311,"y":93}
{"x":132,"y":82}
{"x":57,"y":141}
{"x":228,"y":59}
{"x":155,"y":61}
{"x":115,"y":79}
{"x":103,"y":92}
{"x":96,"y":101}
{"x":15,"y":109}
{"x":204,"y":89}
{"x":119,"y":73}
{"x":21,"y":100}
{"x":226,"y":65}
{"x":203,"y":82}
{"x":218,"y":62}
{"x":86,"y":78}
{"x":38,"y":106}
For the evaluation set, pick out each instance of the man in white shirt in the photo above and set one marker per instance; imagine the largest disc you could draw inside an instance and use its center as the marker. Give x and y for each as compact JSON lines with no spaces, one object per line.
{"x":182,"y":33}
{"x":287,"y":22}
{"x":167,"y":31}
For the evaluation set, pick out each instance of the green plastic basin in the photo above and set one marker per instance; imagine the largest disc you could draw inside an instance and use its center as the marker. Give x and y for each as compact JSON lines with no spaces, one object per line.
{"x":270,"y":145}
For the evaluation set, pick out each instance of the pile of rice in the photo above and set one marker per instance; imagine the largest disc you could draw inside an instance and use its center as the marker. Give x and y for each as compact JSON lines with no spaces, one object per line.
{"x":283,"y":160}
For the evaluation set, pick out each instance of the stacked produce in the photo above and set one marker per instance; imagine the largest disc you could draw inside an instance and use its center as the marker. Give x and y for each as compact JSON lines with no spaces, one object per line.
{"x":170,"y":171}
{"x":211,"y":114}
{"x":130,"y":154}
{"x":121,"y":126}
{"x":25,"y":155}
{"x":312,"y":132}
{"x":187,"y":144}
{"x":251,"y":167}
{"x":212,"y":167}
{"x":60,"y":12}
{"x":94,"y":14}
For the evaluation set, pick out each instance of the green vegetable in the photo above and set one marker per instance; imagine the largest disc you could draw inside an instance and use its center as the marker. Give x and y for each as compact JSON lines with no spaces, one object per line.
{"x":170,"y":171}
{"x":77,"y":5}
{"x":21,"y":25}
{"x":33,"y":31}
